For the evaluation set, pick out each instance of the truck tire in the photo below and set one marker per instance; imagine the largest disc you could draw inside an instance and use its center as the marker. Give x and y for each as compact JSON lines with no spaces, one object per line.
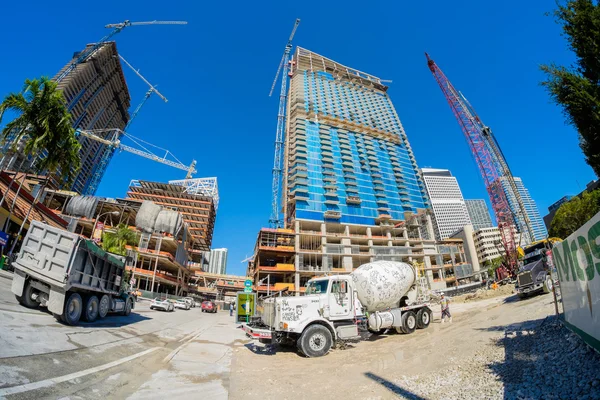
{"x":423,"y":318}
{"x":26,"y":299}
{"x":409,"y":322}
{"x":91,"y":310}
{"x":316,"y":341}
{"x":521,"y":295}
{"x":128,"y":307}
{"x":103,"y":306}
{"x":73,"y":309}
{"x":548,"y":285}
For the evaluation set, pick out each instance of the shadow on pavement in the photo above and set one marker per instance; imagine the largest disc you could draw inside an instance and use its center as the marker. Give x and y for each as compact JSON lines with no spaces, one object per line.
{"x":393,"y":387}
{"x":113,"y":321}
{"x":270,"y":349}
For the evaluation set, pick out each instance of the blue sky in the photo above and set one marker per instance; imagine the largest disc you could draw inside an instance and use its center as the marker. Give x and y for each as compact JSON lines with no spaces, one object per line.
{"x":217,"y":71}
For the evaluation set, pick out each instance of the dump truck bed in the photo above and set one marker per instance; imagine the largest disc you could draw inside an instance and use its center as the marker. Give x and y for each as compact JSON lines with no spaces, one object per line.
{"x":65,"y":260}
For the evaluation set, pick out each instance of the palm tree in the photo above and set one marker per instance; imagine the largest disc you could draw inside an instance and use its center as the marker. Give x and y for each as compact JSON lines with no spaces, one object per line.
{"x":44,"y":123}
{"x":116,"y":242}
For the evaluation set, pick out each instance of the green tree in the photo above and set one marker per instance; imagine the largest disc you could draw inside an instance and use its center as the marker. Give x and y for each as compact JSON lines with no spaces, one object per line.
{"x":574,"y":213}
{"x":43,"y":122}
{"x":116,"y":242}
{"x":492,"y":265}
{"x":577,"y":88}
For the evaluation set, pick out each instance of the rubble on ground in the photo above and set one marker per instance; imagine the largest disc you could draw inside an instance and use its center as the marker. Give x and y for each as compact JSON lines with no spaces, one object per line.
{"x":481,"y":294}
{"x":531,"y":361}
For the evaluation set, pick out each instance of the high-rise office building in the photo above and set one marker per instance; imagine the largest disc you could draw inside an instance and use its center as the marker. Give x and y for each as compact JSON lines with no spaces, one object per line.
{"x":217,"y":261}
{"x":347,"y":157}
{"x":479,"y":214}
{"x":449,"y":209}
{"x":537,"y":223}
{"x":97,"y":98}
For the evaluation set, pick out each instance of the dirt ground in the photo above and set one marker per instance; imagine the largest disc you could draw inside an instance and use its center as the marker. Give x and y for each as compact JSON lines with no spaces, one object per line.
{"x":371,"y":369}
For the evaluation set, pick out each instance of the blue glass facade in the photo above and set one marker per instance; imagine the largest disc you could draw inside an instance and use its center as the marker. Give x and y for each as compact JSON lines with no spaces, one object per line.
{"x":348,"y":159}
{"x":537,"y":223}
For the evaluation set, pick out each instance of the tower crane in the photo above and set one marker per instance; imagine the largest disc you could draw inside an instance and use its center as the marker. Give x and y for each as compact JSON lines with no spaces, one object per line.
{"x":107,"y":156}
{"x":116,"y":29}
{"x":473,"y":130}
{"x":113,"y":139}
{"x":275,"y":221}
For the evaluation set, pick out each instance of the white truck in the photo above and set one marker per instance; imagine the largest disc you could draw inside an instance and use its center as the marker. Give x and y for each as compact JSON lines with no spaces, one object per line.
{"x":375,"y":297}
{"x":69,"y":275}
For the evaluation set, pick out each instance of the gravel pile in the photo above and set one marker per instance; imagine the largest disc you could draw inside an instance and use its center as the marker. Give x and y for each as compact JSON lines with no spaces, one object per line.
{"x":538,"y":360}
{"x":481,"y":294}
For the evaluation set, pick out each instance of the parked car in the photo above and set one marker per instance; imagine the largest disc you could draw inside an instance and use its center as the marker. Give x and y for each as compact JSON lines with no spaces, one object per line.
{"x":162,"y":304}
{"x":190,"y":301}
{"x":209,"y":306}
{"x":182,"y":304}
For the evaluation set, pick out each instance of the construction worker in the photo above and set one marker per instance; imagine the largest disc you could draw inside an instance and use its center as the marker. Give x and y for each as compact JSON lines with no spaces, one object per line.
{"x":230,"y":309}
{"x":445,"y":303}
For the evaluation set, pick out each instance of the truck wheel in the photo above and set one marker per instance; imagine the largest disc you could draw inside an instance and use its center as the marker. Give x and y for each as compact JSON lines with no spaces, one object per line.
{"x":90,"y":313}
{"x":103,"y":306}
{"x":409,"y":322}
{"x":548,"y":285}
{"x":127,"y":307}
{"x":521,"y":295}
{"x":27,"y":298}
{"x":315,"y":341}
{"x":73,"y":309}
{"x":423,"y":318}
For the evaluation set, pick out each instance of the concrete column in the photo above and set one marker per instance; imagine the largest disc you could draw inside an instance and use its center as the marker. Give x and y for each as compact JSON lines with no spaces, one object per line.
{"x":369,"y":234}
{"x":429,"y":226}
{"x":297,"y":283}
{"x":469,"y":247}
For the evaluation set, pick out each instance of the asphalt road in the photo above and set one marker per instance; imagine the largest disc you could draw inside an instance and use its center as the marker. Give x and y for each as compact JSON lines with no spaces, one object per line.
{"x":147,"y":355}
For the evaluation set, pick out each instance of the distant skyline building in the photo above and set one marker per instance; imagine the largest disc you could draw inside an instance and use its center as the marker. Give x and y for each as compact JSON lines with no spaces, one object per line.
{"x":347,"y":158}
{"x":537,"y":223}
{"x":449,"y":210}
{"x":97,"y":97}
{"x":479,"y":213}
{"x":217,"y":261}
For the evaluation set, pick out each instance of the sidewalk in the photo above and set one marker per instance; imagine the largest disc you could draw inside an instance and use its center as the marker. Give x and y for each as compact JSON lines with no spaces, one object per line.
{"x":5,"y":274}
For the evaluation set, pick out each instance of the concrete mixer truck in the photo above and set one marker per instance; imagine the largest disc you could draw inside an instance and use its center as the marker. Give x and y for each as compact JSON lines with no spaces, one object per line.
{"x":375,"y":297}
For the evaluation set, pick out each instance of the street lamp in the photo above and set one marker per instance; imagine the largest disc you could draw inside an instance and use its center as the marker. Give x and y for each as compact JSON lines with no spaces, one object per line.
{"x":115,"y":213}
{"x":268,"y":279}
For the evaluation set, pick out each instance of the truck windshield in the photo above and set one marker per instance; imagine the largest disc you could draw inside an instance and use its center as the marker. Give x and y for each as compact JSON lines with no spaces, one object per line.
{"x":315,"y":287}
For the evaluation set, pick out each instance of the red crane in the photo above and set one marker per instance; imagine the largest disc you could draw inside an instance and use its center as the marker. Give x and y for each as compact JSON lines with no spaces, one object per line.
{"x":475,"y":131}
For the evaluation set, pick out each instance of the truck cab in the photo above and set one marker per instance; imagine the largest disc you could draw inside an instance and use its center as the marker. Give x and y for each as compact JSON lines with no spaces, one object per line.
{"x":328,"y":310}
{"x":534,"y":273}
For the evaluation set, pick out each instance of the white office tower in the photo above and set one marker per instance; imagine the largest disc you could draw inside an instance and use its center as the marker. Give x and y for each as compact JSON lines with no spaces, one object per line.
{"x":449,"y":210}
{"x":217,"y":261}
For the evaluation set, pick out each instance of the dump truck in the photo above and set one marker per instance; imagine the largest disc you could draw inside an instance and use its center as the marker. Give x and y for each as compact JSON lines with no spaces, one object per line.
{"x":71,"y":276}
{"x":534,"y":275}
{"x":374,"y":298}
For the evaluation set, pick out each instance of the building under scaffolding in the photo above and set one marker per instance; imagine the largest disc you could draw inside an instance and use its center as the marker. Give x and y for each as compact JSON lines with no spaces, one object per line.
{"x":290,"y":257}
{"x":196,"y":199}
{"x":159,"y":259}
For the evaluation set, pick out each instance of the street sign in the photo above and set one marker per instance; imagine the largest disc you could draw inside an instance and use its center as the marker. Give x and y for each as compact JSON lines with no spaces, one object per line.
{"x":248,"y":283}
{"x":3,"y":238}
{"x":247,"y":290}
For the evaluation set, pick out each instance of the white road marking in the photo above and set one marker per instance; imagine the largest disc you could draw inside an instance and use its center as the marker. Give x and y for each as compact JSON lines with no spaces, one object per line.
{"x":53,"y":381}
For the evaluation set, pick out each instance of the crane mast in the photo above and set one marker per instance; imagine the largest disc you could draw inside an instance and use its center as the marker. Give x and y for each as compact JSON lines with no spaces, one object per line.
{"x":109,"y":153}
{"x":521,"y":216}
{"x":275,"y":221}
{"x":473,"y":131}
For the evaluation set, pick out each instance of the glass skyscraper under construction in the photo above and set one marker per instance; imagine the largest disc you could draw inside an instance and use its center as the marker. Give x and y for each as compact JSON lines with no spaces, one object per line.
{"x":347,"y":157}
